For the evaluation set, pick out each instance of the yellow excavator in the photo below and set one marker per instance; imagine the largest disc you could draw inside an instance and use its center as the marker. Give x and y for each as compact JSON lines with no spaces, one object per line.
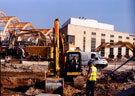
{"x":60,"y":66}
{"x":63,"y":58}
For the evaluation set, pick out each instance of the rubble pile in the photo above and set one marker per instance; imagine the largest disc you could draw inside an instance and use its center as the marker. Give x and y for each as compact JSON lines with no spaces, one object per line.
{"x":70,"y":91}
{"x":33,"y":91}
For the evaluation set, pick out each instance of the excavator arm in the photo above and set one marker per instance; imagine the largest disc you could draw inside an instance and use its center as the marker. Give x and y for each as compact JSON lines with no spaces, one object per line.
{"x":115,"y":44}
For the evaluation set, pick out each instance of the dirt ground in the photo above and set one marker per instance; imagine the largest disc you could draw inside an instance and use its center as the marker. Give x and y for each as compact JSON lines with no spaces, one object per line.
{"x":27,"y":79}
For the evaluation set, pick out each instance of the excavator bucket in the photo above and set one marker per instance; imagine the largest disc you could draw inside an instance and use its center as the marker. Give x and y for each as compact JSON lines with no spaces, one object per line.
{"x":54,"y":85}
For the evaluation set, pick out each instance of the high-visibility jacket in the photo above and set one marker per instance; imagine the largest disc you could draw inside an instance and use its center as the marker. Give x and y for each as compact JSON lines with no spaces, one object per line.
{"x":93,"y":74}
{"x":74,"y":61}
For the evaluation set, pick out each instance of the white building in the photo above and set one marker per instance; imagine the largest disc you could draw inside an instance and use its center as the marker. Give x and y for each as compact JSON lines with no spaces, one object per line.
{"x":88,"y":34}
{"x":88,"y":23}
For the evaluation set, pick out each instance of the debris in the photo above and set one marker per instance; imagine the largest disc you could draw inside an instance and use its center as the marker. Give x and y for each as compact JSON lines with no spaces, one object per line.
{"x":23,"y":79}
{"x":33,"y":91}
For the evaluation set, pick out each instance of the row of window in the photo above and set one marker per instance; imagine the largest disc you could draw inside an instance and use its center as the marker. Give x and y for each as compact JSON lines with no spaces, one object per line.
{"x":118,"y":36}
{"x":93,"y":33}
{"x":71,"y":40}
{"x":111,"y":54}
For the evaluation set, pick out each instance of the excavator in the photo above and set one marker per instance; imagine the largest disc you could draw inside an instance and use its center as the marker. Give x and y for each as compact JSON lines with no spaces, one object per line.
{"x":62,"y":58}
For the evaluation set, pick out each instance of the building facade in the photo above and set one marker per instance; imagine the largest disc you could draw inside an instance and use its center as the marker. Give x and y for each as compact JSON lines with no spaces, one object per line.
{"x":87,"y":34}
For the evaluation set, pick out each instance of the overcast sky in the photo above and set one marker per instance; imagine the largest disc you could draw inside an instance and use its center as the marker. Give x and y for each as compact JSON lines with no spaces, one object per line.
{"x":41,"y":13}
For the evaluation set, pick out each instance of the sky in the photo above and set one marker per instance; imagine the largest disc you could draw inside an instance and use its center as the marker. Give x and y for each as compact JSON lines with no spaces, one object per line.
{"x":42,"y":13}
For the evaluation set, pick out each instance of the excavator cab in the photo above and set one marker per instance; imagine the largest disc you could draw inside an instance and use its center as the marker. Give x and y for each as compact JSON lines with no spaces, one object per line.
{"x":73,"y":63}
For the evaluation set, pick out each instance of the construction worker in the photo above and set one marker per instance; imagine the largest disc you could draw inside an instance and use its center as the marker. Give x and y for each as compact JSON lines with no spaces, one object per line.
{"x":91,"y":79}
{"x":74,"y":63}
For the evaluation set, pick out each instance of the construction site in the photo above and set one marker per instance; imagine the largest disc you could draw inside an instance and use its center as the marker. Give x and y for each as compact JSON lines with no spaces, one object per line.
{"x":37,"y":62}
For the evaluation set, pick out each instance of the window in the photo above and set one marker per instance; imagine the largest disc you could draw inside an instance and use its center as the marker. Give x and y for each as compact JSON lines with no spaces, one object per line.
{"x":120,"y":37}
{"x":84,"y":32}
{"x":71,"y":39}
{"x":84,"y":40}
{"x":119,"y":53}
{"x":127,"y":37}
{"x":93,"y":44}
{"x":102,"y":34}
{"x":111,"y":35}
{"x":93,"y":56}
{"x":111,"y":55}
{"x":127,"y":52}
{"x":111,"y":40}
{"x":93,"y":33}
{"x":102,"y":41}
{"x":70,"y":56}
{"x":103,"y":50}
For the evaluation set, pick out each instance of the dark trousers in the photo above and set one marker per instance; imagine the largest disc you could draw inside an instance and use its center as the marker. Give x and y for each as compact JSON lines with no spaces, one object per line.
{"x":90,"y":88}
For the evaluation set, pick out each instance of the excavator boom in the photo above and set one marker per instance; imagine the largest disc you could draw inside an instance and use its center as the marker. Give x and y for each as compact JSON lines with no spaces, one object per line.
{"x":56,"y":46}
{"x":115,"y":44}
